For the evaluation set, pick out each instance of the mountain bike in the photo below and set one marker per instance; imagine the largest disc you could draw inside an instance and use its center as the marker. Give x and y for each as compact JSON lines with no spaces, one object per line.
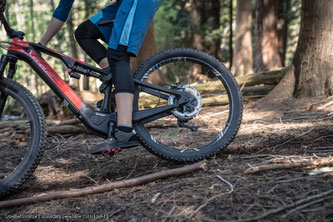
{"x":193,"y":115}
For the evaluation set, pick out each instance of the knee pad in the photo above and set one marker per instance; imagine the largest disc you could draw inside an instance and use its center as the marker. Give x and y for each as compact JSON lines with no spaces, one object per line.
{"x":80,"y":31}
{"x":121,"y":71}
{"x":87,"y":30}
{"x":86,"y":35}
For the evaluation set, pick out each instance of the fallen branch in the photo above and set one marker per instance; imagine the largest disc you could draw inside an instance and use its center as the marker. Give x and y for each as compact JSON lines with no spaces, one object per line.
{"x":307,"y":163}
{"x":296,"y":205}
{"x":105,"y":187}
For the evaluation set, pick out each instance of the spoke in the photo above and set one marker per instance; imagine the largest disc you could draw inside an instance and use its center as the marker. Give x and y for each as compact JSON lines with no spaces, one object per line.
{"x":209,"y":120}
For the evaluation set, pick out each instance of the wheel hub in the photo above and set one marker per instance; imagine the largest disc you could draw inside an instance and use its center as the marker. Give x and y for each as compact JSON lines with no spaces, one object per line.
{"x":191,"y":108}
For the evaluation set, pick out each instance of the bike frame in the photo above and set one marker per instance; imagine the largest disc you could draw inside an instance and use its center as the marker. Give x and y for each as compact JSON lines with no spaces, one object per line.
{"x":101,"y":121}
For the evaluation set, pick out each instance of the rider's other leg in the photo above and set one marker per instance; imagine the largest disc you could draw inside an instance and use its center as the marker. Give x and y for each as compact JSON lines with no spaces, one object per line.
{"x":86,"y":35}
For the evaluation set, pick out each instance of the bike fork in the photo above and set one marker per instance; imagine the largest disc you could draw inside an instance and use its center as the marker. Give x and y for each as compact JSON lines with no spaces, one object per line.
{"x":5,"y":59}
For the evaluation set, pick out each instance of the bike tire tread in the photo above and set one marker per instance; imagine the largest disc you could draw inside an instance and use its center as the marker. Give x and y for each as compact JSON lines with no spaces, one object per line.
{"x":236,"y":126}
{"x":20,"y":89}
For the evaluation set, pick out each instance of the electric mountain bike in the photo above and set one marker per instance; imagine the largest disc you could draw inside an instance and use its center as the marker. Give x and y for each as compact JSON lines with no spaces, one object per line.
{"x":193,"y":115}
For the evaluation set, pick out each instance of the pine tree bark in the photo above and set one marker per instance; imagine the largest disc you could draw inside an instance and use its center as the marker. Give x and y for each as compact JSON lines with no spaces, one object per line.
{"x":147,"y":50}
{"x":205,"y":19}
{"x":212,"y":20}
{"x":72,"y":46}
{"x":282,"y":27}
{"x":87,"y":12}
{"x":230,"y":33}
{"x":242,"y":61}
{"x":266,"y":44}
{"x":34,"y":82}
{"x":197,"y":20}
{"x":313,"y":59}
{"x":52,"y":5}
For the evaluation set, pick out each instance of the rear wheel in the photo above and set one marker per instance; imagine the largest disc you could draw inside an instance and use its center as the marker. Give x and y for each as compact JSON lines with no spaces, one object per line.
{"x":204,"y":126}
{"x":21,"y":135}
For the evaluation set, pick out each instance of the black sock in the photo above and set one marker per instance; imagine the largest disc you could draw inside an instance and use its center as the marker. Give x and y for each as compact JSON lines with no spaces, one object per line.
{"x":126,"y":129}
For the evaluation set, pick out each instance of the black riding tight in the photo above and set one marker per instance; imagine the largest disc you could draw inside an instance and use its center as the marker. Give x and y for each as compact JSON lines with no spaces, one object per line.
{"x":86,"y":35}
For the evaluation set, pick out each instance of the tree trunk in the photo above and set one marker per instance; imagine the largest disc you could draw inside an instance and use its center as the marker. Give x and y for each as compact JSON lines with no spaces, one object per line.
{"x":52,"y":5}
{"x":34,"y":82}
{"x":88,"y":7}
{"x":147,"y":50}
{"x":197,"y":21}
{"x":205,"y":21}
{"x":266,"y":47}
{"x":230,"y":34}
{"x":211,"y":20}
{"x":72,"y":46}
{"x":313,"y":59}
{"x":282,"y":27}
{"x":242,"y":61}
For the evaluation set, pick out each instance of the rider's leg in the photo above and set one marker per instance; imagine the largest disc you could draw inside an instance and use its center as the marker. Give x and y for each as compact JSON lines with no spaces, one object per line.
{"x":124,"y":85}
{"x":131,"y":23}
{"x":124,"y":135}
{"x":124,"y":103}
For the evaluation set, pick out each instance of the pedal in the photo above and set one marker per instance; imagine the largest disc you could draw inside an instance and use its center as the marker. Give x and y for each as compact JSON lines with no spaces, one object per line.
{"x":111,"y":152}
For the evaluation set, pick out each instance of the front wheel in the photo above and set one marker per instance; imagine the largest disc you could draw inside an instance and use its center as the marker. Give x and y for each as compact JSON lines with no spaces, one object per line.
{"x":204,"y":126}
{"x":22,"y":132}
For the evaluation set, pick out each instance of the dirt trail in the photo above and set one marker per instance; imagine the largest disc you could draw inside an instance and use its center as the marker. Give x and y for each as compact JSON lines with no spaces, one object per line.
{"x":293,"y":129}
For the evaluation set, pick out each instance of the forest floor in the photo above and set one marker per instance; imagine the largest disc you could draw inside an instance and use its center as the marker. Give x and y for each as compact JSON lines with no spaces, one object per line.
{"x":292,"y":130}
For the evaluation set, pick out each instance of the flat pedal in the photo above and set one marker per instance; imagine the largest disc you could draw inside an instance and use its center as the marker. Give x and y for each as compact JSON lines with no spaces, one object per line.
{"x":111,"y":152}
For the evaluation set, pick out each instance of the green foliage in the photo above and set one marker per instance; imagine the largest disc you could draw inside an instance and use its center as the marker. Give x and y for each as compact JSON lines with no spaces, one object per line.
{"x":32,"y":17}
{"x":174,"y":27}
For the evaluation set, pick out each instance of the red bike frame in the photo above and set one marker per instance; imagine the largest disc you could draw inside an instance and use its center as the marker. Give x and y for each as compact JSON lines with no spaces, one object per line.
{"x":38,"y":62}
{"x":100,"y":122}
{"x":97,"y":121}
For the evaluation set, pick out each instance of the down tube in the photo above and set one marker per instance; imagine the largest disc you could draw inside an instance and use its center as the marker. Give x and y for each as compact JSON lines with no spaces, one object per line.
{"x":51,"y":78}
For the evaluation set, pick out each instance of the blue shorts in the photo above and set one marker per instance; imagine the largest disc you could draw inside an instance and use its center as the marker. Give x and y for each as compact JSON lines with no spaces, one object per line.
{"x":131,"y":22}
